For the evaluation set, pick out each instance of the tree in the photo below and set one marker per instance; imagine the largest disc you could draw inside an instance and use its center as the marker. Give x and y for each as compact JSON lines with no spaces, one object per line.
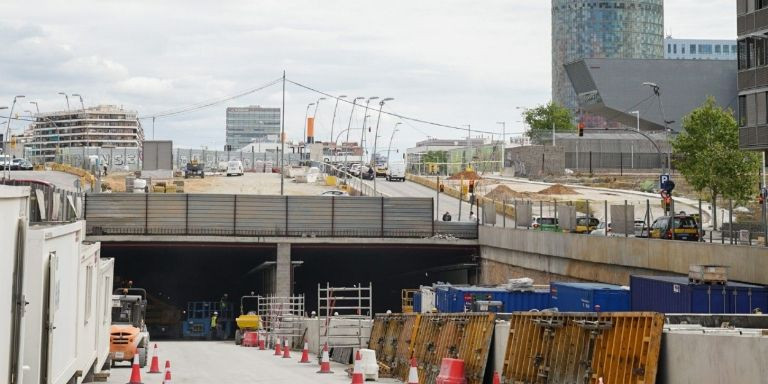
{"x":540,"y":120}
{"x":708,"y":155}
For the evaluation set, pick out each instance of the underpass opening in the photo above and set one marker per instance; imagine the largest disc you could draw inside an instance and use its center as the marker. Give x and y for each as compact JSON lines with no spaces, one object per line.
{"x":175,"y":274}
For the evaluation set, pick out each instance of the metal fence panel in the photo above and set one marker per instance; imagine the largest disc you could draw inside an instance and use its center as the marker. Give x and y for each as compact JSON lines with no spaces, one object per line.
{"x":408,"y":217}
{"x":566,"y":217}
{"x":309,"y":216}
{"x":623,"y":219}
{"x":357,"y":216}
{"x":211,"y":214}
{"x":523,"y":213}
{"x":260,"y":215}
{"x":166,"y":214}
{"x":115,"y":212}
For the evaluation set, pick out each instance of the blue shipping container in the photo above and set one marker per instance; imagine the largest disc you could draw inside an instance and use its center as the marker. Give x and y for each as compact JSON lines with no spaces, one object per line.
{"x":674,"y":294}
{"x":441,"y":299}
{"x":589,"y":297}
{"x":417,"y":301}
{"x":525,"y":301}
{"x":460,"y":299}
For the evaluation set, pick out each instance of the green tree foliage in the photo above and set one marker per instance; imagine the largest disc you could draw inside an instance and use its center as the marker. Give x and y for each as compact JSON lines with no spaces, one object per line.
{"x":540,"y":119}
{"x":708,"y":155}
{"x":435,"y":157}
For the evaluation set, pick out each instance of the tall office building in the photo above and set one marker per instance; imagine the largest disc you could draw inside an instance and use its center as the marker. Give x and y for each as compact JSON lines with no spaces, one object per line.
{"x":752,"y":22}
{"x":248,"y":124}
{"x":698,"y":49}
{"x":102,"y":126}
{"x":583,"y":29}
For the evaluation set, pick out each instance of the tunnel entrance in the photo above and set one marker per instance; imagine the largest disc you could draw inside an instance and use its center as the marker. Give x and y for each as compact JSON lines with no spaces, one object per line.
{"x":175,"y":274}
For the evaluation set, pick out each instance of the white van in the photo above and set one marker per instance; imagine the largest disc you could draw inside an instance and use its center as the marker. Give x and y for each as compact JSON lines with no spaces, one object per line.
{"x":396,"y":171}
{"x":235,"y":167}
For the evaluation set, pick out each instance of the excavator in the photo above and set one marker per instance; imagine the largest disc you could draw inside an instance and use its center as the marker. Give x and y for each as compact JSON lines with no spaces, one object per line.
{"x":128,"y":334}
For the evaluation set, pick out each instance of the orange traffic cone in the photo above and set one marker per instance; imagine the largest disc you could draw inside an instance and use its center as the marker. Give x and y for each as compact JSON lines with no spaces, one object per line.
{"x":325,"y":361}
{"x":278,"y":352}
{"x":167,"y":365}
{"x":305,"y":353}
{"x":261,"y":344}
{"x":155,"y":366}
{"x":496,"y":378}
{"x":135,"y":369}
{"x":167,"y":379}
{"x":357,"y":371}
{"x":413,"y":372}
{"x":286,"y":349}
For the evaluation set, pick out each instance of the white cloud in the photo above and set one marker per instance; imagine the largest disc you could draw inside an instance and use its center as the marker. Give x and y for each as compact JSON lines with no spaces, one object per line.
{"x":450,"y":61}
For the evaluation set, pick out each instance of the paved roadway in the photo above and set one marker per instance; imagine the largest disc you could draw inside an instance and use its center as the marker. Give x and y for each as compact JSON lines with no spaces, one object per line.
{"x":446,"y":203}
{"x":206,"y":362}
{"x":59,"y":179}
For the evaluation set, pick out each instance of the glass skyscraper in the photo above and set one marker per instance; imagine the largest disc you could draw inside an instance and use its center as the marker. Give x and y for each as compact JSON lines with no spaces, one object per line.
{"x":254,"y":123}
{"x":583,"y":29}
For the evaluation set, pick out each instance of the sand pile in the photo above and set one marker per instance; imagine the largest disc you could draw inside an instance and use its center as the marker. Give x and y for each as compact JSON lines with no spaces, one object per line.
{"x":503,"y":192}
{"x":466,"y":175}
{"x":558,"y":189}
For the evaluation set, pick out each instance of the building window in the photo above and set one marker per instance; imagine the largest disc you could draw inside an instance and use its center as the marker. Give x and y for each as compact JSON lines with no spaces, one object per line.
{"x":693,"y":49}
{"x":742,"y":111}
{"x":682,"y":48}
{"x":742,"y":53}
{"x":674,"y":48}
{"x":669,"y":48}
{"x":717,"y":49}
{"x":725,"y":49}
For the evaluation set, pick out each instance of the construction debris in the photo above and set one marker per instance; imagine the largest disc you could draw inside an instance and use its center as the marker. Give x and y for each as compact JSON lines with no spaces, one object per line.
{"x":466,"y":175}
{"x":504,"y":193}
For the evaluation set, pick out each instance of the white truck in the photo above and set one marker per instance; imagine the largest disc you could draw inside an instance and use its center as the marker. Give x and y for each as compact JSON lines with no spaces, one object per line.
{"x":235,"y":168}
{"x":396,"y":172}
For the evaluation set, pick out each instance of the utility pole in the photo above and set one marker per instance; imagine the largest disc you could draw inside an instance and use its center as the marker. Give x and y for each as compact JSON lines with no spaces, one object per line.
{"x":282,"y":145}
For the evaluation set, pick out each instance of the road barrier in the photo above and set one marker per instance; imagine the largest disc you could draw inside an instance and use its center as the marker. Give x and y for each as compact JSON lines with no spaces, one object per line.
{"x":259,"y":215}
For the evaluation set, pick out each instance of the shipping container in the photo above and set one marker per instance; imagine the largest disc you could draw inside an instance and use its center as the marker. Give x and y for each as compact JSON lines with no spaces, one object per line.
{"x":517,"y":301}
{"x":417,"y":301}
{"x":674,"y":294}
{"x":67,"y":287}
{"x":427,"y":300}
{"x":13,"y":209}
{"x":589,"y":297}
{"x":461,"y":299}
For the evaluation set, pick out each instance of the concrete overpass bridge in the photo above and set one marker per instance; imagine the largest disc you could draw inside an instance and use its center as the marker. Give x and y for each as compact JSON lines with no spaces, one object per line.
{"x":287,"y":242}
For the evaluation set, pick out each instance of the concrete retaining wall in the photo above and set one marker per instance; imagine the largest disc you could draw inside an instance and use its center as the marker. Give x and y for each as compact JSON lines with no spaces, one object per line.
{"x":613,"y":259}
{"x":697,"y":358}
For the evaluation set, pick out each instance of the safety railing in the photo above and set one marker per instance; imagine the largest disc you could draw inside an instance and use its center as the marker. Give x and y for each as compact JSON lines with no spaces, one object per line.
{"x":49,"y":203}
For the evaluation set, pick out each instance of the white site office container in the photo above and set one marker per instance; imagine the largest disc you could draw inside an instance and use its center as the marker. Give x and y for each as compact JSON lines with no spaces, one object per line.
{"x":60,"y":284}
{"x":103,"y":311}
{"x":427,"y":300}
{"x":14,"y":205}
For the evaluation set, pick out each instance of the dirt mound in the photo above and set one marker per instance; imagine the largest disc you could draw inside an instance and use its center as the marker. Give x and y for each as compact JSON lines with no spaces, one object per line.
{"x":466,"y":175}
{"x":502,"y":192}
{"x":558,"y":189}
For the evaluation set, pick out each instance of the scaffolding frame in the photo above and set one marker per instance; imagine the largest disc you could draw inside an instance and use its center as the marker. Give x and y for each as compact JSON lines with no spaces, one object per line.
{"x":351,"y":305}
{"x":282,"y":317}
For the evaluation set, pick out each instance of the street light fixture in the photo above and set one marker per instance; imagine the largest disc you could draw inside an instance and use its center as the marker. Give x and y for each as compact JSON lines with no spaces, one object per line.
{"x":333,"y":120}
{"x":657,"y":91}
{"x":37,"y":107}
{"x":389,"y":148}
{"x":362,"y":136}
{"x":82,"y":105}
{"x":349,"y":128}
{"x":376,"y":141}
{"x":66,"y":97}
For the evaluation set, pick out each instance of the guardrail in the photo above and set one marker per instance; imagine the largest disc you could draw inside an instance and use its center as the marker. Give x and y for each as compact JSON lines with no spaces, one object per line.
{"x":266,"y":216}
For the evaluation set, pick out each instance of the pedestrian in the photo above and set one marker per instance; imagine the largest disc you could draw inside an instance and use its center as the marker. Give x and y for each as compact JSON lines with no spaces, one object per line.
{"x":447,"y":216}
{"x":214,"y":324}
{"x":105,"y":171}
{"x":472,"y":216}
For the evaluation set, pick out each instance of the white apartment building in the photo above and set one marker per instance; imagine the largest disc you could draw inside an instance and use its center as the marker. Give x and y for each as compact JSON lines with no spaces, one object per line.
{"x":699,"y":49}
{"x":107,"y":126}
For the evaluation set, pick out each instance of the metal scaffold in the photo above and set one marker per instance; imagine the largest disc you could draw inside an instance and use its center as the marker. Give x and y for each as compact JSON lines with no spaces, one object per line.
{"x":282,"y":318}
{"x":344,"y":315}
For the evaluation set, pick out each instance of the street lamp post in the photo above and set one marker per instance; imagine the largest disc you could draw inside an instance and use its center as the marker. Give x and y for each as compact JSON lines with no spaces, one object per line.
{"x":66,"y":97}
{"x":469,"y":137}
{"x":82,"y":105}
{"x":657,"y":91}
{"x":389,"y":148}
{"x":362,"y":138}
{"x":333,"y":120}
{"x":304,"y":138}
{"x":7,"y":137}
{"x":503,"y":141}
{"x":349,"y":127}
{"x":376,"y":140}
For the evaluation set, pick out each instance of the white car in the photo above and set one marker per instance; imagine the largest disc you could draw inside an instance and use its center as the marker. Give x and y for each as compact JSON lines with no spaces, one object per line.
{"x":235,"y":167}
{"x":334,"y":192}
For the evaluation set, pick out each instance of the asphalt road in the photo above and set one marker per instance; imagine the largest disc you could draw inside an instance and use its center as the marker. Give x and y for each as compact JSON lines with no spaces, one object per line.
{"x":206,"y":362}
{"x":59,"y":179}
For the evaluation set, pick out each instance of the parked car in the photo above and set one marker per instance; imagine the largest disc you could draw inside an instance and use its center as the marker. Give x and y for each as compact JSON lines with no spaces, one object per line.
{"x":548,"y":224}
{"x":335,"y":193}
{"x":641,"y":230}
{"x":235,"y":167}
{"x":586,"y":224}
{"x":601,"y":228}
{"x":354,"y":170}
{"x":685,"y":226}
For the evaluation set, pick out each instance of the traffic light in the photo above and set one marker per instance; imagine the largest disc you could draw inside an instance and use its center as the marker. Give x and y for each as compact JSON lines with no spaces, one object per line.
{"x":581,"y":129}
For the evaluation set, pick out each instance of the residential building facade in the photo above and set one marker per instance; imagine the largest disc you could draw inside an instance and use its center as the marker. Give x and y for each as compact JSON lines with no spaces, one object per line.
{"x":106,"y":126}
{"x":698,"y":49}
{"x":752,"y":24}
{"x":631,"y":29}
{"x":254,"y":123}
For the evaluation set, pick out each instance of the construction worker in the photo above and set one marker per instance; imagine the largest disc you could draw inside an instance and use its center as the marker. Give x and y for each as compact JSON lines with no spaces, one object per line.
{"x":447,"y":216}
{"x":472,"y":216}
{"x":214,"y":323}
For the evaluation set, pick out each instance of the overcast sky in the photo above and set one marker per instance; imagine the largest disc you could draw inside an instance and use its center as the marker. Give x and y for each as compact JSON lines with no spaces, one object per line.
{"x":453,"y":62}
